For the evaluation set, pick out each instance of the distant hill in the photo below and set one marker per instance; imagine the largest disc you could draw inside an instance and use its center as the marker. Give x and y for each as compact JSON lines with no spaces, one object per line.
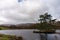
{"x":27,"y":25}
{"x":21,"y":26}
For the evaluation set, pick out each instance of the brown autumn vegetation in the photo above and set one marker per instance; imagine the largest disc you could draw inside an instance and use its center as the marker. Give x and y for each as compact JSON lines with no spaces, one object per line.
{"x":29,"y":26}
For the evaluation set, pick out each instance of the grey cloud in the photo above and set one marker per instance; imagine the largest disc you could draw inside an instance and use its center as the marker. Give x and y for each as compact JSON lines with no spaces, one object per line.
{"x":27,"y":11}
{"x":54,"y":7}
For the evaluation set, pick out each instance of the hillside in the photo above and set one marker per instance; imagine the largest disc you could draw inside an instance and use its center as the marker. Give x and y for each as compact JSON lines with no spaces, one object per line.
{"x":26,"y":26}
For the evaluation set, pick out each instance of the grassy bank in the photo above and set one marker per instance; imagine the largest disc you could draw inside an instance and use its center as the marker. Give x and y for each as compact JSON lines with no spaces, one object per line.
{"x":9,"y":37}
{"x":3,"y":28}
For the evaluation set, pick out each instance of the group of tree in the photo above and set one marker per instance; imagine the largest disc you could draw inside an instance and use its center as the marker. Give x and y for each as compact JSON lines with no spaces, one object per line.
{"x":46,"y":21}
{"x":46,"y":26}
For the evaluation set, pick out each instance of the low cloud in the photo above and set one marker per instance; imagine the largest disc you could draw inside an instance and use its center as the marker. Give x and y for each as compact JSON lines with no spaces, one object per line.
{"x":27,"y":11}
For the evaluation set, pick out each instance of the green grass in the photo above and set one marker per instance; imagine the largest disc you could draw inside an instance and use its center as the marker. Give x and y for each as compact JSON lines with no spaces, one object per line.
{"x":3,"y":28}
{"x":4,"y":38}
{"x":7,"y":37}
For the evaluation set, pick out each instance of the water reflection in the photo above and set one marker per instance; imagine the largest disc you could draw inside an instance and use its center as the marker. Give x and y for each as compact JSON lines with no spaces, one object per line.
{"x":53,"y":36}
{"x":26,"y":34}
{"x":29,"y":35}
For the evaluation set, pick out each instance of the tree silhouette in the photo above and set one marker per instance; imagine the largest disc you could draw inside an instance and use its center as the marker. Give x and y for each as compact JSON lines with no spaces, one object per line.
{"x":53,"y":21}
{"x":45,"y":24}
{"x":44,"y":20}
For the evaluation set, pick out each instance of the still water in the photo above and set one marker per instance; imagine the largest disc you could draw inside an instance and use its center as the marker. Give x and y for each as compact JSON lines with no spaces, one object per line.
{"x":28,"y":34}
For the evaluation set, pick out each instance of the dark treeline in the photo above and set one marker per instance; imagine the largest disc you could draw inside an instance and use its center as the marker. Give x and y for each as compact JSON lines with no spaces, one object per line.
{"x":29,"y":25}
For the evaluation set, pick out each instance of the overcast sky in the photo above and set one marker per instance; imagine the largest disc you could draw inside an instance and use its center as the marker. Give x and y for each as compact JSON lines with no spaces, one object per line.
{"x":27,"y":11}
